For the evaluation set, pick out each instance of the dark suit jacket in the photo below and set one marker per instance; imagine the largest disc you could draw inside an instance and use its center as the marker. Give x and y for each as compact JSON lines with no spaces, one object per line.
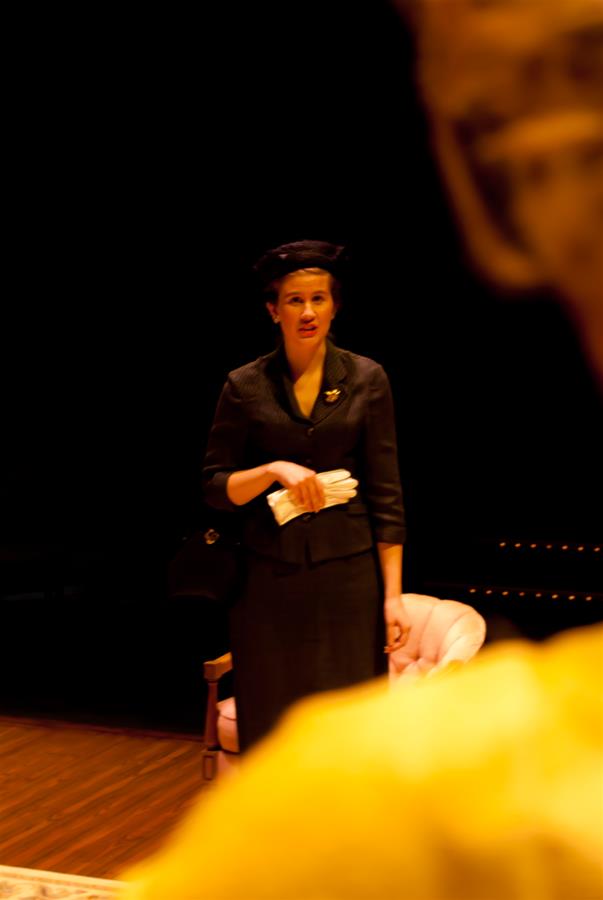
{"x":258,"y":420}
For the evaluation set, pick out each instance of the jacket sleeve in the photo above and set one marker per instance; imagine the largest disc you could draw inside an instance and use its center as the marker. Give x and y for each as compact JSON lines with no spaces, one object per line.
{"x":381,"y":478}
{"x":225,"y":447}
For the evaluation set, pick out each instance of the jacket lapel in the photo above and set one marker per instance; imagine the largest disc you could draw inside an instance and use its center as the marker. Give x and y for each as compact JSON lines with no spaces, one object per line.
{"x":333,"y":389}
{"x":277,"y":370}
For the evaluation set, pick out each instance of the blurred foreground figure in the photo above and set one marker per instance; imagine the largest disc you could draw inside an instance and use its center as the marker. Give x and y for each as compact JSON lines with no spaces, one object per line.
{"x":484,"y":784}
{"x":514,"y":93}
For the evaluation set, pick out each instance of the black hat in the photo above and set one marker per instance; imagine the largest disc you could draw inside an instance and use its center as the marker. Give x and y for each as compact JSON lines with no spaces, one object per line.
{"x":288,"y":258}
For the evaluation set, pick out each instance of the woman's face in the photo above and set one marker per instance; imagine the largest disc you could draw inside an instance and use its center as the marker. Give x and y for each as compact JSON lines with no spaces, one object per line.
{"x":304,"y":308}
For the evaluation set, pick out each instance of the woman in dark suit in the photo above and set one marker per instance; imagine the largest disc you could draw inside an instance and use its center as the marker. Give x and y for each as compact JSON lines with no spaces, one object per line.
{"x":322,"y":593}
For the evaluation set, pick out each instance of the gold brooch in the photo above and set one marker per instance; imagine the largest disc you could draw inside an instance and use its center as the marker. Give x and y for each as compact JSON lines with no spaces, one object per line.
{"x":332,"y":396}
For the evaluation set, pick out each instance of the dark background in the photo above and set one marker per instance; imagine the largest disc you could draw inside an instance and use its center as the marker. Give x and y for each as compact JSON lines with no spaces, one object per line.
{"x":152,"y":160}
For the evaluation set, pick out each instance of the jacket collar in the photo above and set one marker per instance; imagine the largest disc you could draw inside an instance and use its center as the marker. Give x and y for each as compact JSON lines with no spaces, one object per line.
{"x":332,"y":391}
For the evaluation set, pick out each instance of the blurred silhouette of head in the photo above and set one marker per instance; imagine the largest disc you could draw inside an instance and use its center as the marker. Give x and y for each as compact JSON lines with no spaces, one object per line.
{"x":514,"y":95}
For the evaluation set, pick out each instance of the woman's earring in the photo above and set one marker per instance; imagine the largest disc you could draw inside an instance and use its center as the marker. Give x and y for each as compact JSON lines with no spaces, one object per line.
{"x":276,"y":319}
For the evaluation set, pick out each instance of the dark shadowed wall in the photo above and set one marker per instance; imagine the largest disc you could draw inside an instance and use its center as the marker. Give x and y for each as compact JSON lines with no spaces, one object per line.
{"x":154,"y":159}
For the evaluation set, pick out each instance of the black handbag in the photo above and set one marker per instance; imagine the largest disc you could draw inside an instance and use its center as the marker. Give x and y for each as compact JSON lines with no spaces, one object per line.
{"x":208,"y":563}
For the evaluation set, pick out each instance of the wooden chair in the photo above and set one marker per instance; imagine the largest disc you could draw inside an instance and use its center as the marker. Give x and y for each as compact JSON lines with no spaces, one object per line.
{"x":221,"y":740}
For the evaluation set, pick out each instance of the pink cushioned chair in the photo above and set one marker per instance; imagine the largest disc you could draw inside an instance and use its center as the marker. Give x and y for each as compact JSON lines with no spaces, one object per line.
{"x":442,"y":633}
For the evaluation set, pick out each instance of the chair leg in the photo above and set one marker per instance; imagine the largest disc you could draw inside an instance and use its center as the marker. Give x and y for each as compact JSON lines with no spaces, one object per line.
{"x":211,"y":715}
{"x":209,"y":765}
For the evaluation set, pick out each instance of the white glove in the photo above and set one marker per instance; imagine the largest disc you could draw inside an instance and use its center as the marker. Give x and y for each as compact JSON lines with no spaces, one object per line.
{"x":338,"y":486}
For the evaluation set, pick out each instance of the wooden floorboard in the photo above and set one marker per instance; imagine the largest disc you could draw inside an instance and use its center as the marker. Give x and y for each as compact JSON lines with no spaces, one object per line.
{"x":90,"y":801}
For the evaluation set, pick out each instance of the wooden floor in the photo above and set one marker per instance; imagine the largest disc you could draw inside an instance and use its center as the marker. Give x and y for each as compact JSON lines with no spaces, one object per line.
{"x":87,"y":801}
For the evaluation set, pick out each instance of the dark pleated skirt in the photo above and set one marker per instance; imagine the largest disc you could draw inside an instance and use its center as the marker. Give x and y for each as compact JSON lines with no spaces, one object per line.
{"x":297,"y":630}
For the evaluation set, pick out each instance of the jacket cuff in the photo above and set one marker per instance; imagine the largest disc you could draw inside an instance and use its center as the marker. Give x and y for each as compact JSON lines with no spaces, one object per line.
{"x":215,"y":492}
{"x":390,"y":534}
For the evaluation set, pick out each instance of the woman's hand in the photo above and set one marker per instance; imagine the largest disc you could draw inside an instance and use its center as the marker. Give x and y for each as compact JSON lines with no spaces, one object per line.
{"x":303,"y":485}
{"x":397,"y":624}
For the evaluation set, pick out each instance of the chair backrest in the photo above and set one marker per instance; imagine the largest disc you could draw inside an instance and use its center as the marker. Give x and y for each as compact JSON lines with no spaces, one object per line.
{"x":441,"y":632}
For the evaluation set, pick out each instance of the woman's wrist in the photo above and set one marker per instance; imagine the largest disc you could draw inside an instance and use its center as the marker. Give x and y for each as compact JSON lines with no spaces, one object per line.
{"x":245,"y":485}
{"x":271,"y":470}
